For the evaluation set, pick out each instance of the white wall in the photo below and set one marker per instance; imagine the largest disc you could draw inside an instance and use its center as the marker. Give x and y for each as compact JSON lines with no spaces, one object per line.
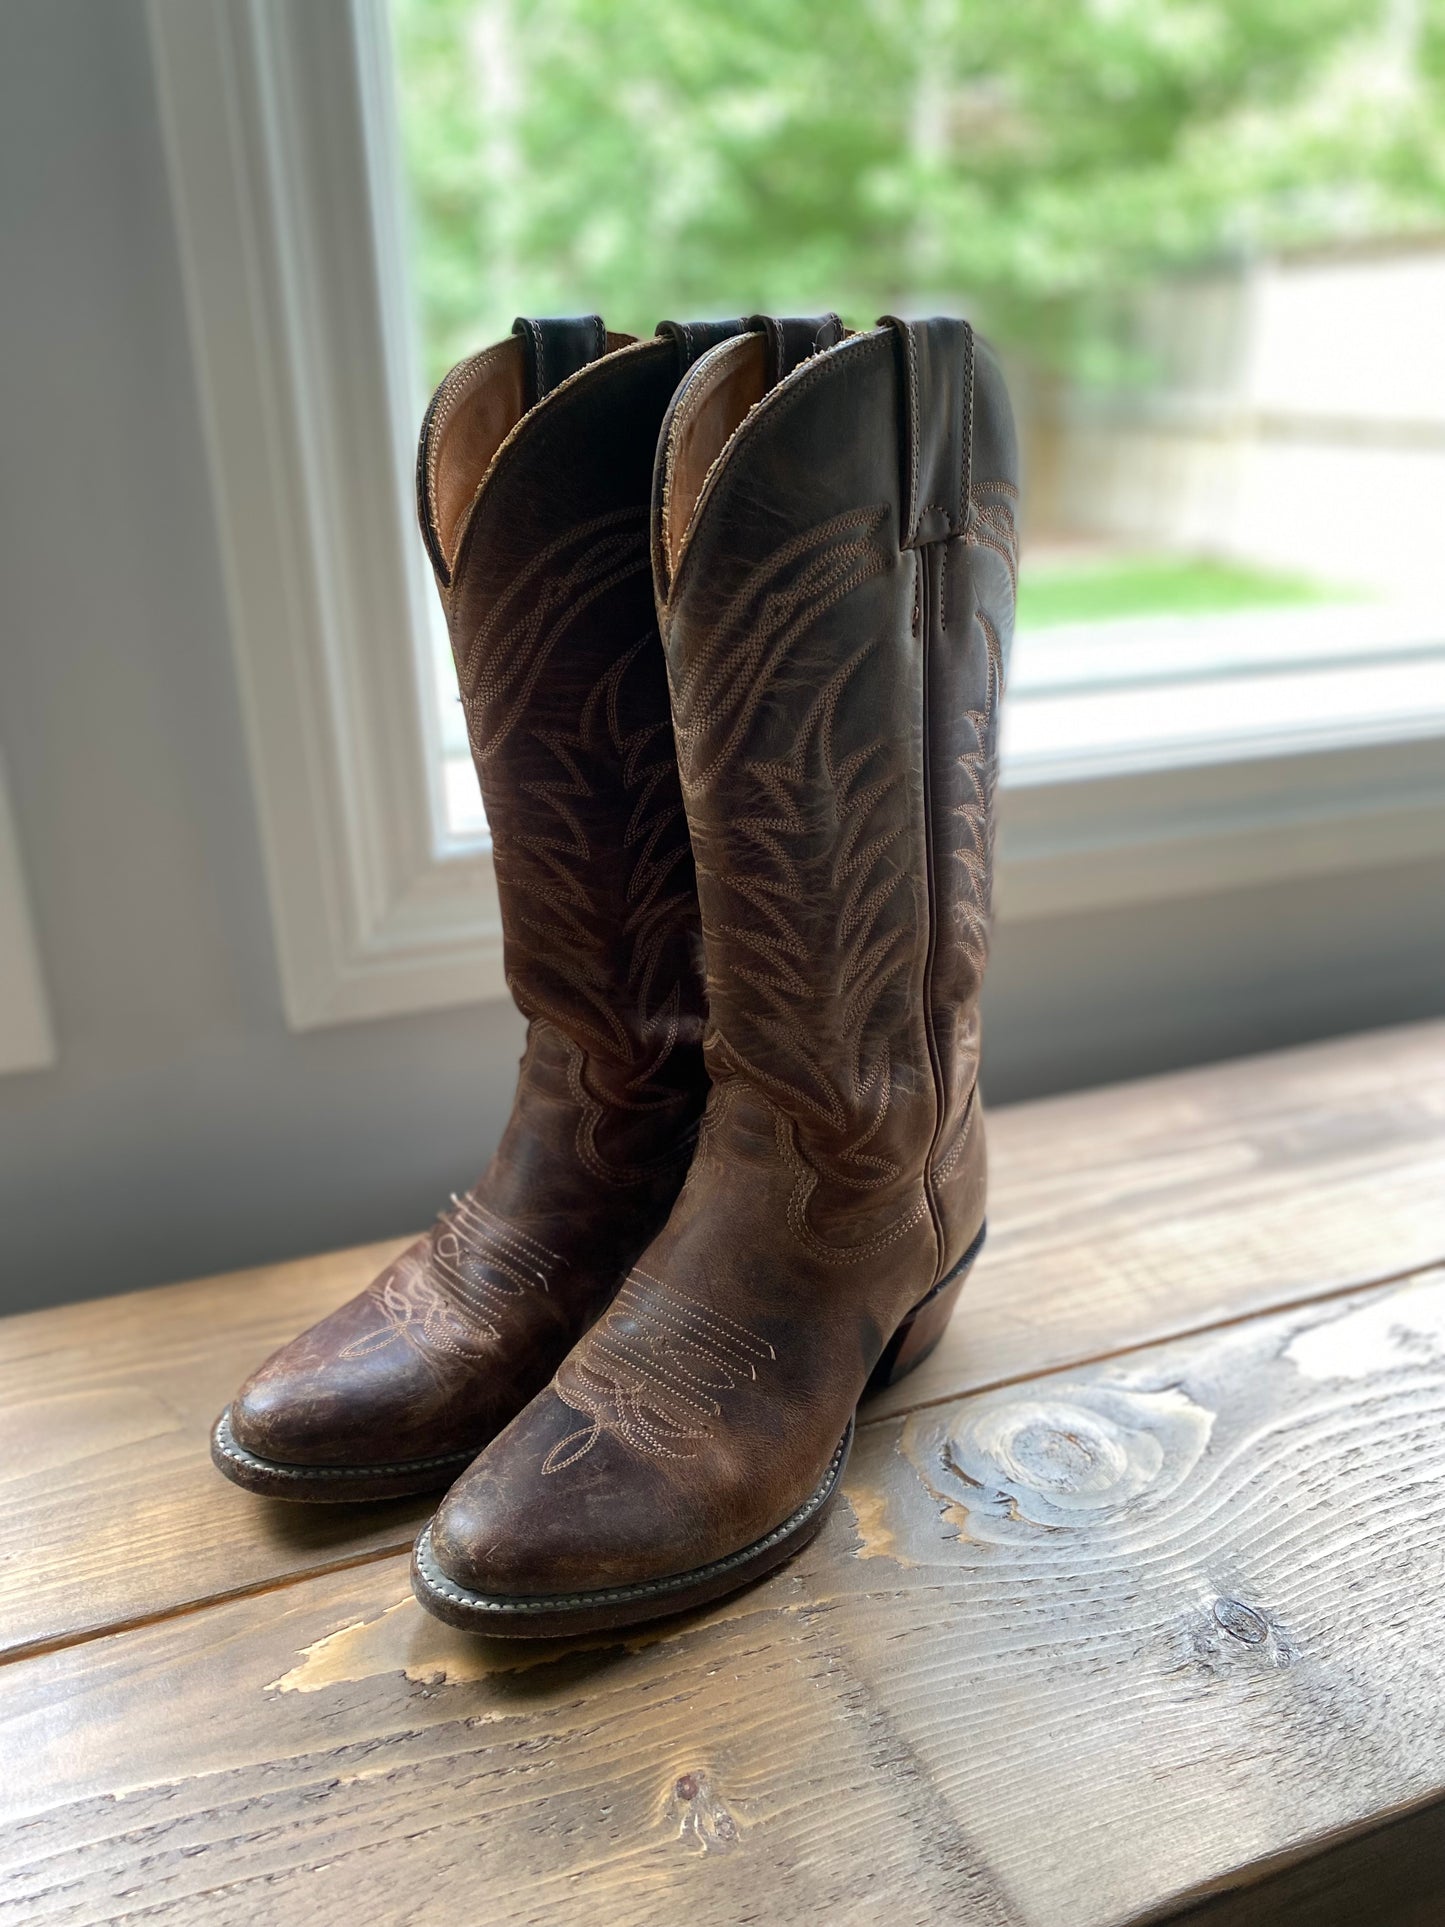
{"x":184,"y":1129}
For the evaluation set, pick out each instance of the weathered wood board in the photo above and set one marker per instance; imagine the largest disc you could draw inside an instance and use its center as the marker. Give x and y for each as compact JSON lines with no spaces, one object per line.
{"x":1135,"y":1213}
{"x":1073,"y":1651}
{"x":1118,"y":1217}
{"x":111,"y":1509}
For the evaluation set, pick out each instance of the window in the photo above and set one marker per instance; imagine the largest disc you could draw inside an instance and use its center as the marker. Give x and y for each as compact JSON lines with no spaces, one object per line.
{"x":1210,"y":243}
{"x":1229,"y":380}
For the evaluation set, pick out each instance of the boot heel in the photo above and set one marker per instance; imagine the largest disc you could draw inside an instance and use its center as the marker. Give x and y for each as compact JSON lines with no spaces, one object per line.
{"x":924,"y":1326}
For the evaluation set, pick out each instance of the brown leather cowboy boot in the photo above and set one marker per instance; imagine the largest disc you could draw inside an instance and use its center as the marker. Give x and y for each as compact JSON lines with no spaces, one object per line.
{"x":835,"y":564}
{"x":533,"y":479}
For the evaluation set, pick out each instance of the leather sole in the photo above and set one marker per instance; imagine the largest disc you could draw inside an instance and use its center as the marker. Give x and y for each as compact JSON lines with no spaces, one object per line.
{"x":554,"y":1615}
{"x":330,"y":1484}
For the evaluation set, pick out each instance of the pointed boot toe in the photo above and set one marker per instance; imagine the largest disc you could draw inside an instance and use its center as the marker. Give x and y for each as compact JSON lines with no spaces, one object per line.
{"x":517,"y":1551}
{"x":511,"y":1542}
{"x":320,"y":1421}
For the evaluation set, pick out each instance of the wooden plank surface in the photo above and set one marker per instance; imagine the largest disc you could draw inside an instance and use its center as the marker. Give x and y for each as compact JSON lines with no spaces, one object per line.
{"x":1073,"y":1652}
{"x":1122,"y":1216}
{"x":1118,"y":1217}
{"x":111,"y":1509}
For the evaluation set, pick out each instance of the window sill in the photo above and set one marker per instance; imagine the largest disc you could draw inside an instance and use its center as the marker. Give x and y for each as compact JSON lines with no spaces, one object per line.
{"x":1159,"y":760}
{"x":1152,"y":761}
{"x":1147,"y":694}
{"x":1183,"y":759}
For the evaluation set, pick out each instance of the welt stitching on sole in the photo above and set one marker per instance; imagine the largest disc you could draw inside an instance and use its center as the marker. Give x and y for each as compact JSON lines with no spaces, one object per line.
{"x":275,"y":1469}
{"x":436,"y":1581}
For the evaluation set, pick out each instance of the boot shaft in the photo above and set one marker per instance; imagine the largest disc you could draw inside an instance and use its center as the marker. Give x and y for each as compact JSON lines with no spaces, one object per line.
{"x":835,"y":561}
{"x":534,"y":480}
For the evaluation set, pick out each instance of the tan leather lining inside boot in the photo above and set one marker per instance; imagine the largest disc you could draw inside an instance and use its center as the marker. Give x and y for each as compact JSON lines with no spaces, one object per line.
{"x":468,"y":428}
{"x":732,"y":380}
{"x":478,"y":406}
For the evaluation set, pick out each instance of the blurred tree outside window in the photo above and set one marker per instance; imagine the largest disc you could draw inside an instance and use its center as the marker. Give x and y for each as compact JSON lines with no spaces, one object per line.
{"x":1208,"y":235}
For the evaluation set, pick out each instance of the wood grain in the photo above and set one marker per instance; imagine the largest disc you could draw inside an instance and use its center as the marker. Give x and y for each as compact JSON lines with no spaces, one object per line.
{"x":110,"y":1509}
{"x":1075,"y":1652}
{"x":1118,"y":1217}
{"x":1122,"y":1216}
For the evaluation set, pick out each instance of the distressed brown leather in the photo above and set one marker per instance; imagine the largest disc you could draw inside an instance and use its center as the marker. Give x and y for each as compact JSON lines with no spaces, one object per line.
{"x":837,"y":610}
{"x":534,"y":498}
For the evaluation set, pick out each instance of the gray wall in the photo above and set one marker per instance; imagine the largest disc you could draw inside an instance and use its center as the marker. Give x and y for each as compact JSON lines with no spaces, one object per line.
{"x":185,"y":1129}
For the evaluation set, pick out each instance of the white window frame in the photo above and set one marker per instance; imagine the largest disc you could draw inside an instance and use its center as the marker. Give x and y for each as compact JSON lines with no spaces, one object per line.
{"x":27,"y":1037}
{"x":283,"y":156}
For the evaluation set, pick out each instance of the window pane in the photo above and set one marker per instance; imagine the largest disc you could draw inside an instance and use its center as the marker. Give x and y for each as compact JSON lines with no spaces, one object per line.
{"x":1210,"y":241}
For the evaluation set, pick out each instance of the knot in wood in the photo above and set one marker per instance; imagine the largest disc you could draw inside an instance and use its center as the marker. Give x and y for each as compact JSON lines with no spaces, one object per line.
{"x":1072,"y":1455}
{"x":706,"y":1820}
{"x":1241,"y":1622}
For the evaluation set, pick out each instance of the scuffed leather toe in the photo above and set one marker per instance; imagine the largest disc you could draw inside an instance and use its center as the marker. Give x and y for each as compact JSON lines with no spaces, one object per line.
{"x":351,"y":1391}
{"x":534,"y":1517}
{"x":295,"y":1414}
{"x":273,"y":1417}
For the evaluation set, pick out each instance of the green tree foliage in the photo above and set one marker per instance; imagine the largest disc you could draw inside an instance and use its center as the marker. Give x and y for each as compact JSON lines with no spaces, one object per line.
{"x":1035,"y":160}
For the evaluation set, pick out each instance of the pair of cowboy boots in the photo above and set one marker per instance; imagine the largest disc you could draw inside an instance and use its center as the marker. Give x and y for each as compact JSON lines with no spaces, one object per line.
{"x":731,"y":611}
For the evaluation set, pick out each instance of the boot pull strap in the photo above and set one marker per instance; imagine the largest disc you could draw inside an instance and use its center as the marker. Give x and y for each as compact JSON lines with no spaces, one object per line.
{"x":793,"y":338}
{"x":936,"y":377}
{"x":693,"y":338}
{"x":553,"y":350}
